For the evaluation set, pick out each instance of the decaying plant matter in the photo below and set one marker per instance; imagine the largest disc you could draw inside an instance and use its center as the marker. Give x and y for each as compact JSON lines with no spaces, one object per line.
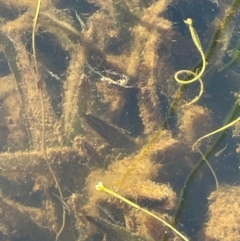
{"x":90,"y":92}
{"x":105,"y":83}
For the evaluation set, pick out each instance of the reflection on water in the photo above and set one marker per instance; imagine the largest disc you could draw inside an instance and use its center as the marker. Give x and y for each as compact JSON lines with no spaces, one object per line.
{"x":107,"y":108}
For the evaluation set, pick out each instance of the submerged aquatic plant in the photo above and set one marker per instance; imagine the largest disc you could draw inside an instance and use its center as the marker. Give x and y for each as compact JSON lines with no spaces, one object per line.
{"x":92,"y":107}
{"x":196,"y":76}
{"x":100,"y":187}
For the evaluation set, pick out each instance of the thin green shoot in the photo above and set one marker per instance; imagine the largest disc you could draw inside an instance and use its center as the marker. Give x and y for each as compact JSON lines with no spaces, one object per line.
{"x":39,"y":84}
{"x":196,"y":144}
{"x":196,"y":76}
{"x":101,"y":187}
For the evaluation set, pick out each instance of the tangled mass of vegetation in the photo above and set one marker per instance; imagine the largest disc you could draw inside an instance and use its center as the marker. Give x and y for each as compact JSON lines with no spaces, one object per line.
{"x":119,"y":120}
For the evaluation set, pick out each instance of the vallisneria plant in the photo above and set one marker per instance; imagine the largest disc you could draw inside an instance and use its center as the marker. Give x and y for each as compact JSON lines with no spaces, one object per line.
{"x":196,"y":76}
{"x":101,"y":187}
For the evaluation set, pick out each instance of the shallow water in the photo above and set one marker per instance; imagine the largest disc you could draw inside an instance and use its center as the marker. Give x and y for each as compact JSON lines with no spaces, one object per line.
{"x":105,"y":107}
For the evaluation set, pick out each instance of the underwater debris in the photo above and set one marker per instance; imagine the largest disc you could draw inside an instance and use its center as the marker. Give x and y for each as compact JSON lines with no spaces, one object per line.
{"x":115,"y":136}
{"x":114,"y":231}
{"x":215,"y":2}
{"x":121,"y":79}
{"x":223,"y":214}
{"x":101,"y":187}
{"x":193,"y":122}
{"x":16,"y":225}
{"x":79,"y":94}
{"x":129,"y":43}
{"x":133,"y":187}
{"x":80,"y":20}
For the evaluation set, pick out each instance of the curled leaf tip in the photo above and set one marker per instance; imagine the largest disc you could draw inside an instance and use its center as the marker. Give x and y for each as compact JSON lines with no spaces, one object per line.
{"x":99,"y":186}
